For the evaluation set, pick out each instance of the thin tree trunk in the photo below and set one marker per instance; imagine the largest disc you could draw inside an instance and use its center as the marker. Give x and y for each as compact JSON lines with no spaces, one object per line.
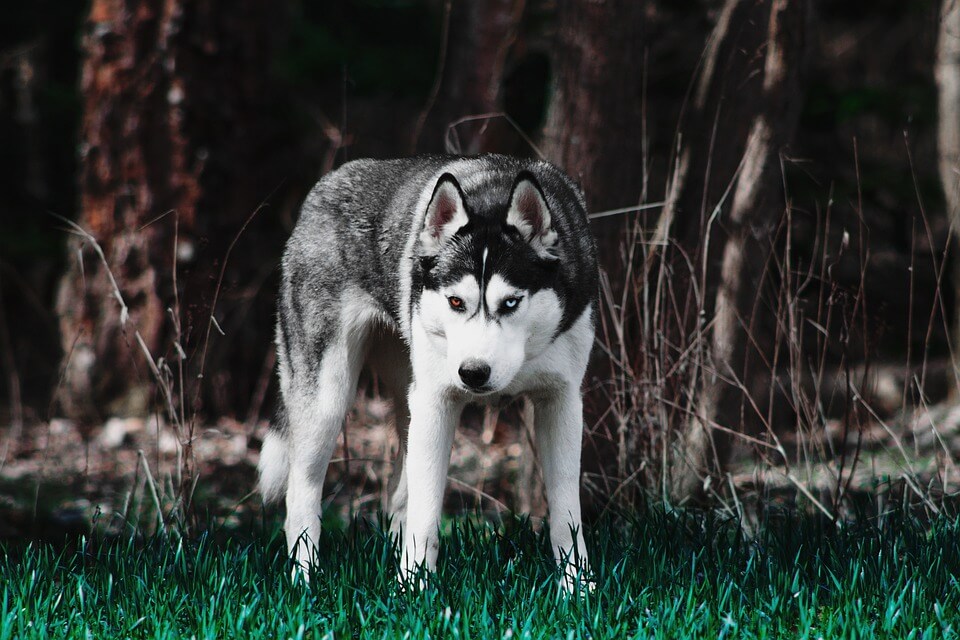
{"x":710,"y":143}
{"x":748,"y":224}
{"x":947,"y":71}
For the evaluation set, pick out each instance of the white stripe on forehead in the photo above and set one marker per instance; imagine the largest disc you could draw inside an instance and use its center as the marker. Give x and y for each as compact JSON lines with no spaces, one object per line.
{"x":483,"y":272}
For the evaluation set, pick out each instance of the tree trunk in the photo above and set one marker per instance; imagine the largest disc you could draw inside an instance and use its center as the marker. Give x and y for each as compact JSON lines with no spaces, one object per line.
{"x":947,"y":73}
{"x":478,"y":35}
{"x":725,"y":206}
{"x":181,"y":140}
{"x":594,"y":131}
{"x":594,"y":126}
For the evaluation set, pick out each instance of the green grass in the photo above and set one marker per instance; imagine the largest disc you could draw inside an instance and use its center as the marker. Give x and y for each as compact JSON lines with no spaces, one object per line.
{"x":662,"y":576}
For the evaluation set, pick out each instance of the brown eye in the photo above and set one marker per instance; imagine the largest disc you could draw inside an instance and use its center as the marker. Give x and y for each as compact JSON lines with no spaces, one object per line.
{"x":455,"y":303}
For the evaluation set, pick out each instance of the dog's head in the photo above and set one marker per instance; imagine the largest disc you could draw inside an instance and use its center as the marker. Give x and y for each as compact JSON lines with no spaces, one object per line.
{"x":488,"y":302}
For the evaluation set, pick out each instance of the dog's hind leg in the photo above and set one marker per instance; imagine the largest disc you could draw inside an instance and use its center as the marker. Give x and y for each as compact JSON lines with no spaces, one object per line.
{"x":397,"y":486}
{"x":391,"y":361}
{"x":316,"y":407}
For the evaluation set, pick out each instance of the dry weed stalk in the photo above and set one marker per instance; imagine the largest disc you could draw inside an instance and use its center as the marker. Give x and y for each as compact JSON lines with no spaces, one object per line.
{"x":811,"y":396}
{"x":179,"y":390}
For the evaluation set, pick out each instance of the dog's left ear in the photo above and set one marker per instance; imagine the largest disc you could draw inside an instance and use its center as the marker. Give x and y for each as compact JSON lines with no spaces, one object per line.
{"x":529,"y":214}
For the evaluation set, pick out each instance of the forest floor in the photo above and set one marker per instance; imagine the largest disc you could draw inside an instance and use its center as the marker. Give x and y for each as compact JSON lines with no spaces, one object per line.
{"x":55,"y":480}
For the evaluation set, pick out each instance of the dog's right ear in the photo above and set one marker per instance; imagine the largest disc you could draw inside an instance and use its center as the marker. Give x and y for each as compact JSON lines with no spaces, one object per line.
{"x":445,"y":214}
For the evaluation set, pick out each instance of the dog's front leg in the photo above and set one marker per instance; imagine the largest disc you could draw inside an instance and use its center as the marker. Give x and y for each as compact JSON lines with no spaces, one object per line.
{"x":433,"y":419}
{"x":558,"y":426}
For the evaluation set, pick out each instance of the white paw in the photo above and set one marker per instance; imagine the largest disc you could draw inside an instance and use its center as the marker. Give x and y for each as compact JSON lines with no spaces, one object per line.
{"x":299,"y":574}
{"x":578,"y":581}
{"x":412,"y":580}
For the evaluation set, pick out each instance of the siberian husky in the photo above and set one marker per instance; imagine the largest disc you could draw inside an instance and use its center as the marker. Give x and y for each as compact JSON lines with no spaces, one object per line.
{"x":459,"y":280}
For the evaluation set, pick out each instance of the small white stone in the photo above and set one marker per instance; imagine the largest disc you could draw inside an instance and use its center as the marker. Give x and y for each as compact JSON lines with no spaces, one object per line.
{"x":175,"y":95}
{"x":118,"y":430}
{"x":185,"y":250}
{"x":168,"y":443}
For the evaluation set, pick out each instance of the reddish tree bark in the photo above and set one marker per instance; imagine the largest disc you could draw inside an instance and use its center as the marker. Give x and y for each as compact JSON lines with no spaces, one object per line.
{"x":181,"y":139}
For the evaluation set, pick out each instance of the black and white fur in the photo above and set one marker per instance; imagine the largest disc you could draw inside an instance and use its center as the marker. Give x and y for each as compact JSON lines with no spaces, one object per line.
{"x":458,"y":280}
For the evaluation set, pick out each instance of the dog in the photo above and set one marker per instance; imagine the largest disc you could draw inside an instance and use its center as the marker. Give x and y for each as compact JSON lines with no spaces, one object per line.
{"x":457,"y":280}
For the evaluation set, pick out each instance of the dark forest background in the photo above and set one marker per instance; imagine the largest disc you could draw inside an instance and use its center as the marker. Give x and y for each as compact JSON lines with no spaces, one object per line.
{"x":774,"y":183}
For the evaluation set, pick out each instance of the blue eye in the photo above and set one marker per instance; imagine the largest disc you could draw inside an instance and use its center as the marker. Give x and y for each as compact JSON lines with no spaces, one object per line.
{"x":510,"y":304}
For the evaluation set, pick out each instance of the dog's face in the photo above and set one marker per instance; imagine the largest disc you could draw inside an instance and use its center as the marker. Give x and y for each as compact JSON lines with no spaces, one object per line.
{"x":487,"y":304}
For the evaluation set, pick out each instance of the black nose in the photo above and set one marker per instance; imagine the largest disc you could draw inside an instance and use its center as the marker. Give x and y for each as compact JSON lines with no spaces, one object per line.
{"x":474,"y":373}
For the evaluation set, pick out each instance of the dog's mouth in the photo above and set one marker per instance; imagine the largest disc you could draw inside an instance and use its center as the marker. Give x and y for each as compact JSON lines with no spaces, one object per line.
{"x":478,"y":391}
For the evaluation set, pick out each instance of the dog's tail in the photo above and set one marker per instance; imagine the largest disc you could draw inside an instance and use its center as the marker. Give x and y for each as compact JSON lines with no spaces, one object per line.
{"x":274,"y":464}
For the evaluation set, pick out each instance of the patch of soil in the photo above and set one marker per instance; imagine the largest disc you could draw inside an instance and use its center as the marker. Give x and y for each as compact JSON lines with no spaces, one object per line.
{"x":57,"y":482}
